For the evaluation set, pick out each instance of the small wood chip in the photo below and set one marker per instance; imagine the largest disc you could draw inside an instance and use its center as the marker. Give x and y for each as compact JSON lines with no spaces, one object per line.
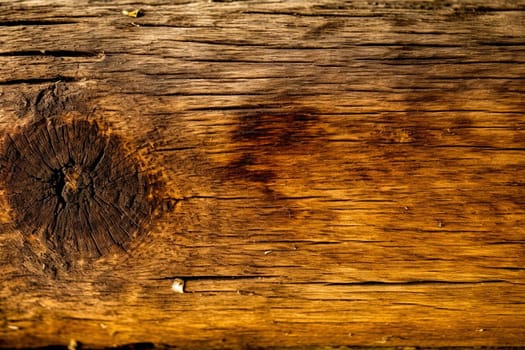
{"x":135,"y":13}
{"x":178,"y":285}
{"x":73,"y":345}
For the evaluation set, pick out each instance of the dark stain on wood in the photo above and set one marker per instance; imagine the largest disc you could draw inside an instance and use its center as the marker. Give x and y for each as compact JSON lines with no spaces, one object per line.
{"x":241,"y":169}
{"x":276,"y":129}
{"x":264,"y":136}
{"x":74,"y":187}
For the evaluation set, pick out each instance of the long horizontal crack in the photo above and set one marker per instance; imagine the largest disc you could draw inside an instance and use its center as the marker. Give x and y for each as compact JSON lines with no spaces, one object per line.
{"x":39,"y":80}
{"x":214,"y":277}
{"x":34,"y":22}
{"x":417,"y":282}
{"x":137,"y":346}
{"x":52,"y":53}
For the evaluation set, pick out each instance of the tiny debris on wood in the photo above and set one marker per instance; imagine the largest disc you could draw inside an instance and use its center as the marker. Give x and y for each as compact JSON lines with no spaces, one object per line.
{"x":134,"y":13}
{"x":73,"y":345}
{"x":178,"y":285}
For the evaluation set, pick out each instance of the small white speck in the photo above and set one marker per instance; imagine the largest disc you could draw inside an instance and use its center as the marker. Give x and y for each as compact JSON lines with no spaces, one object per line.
{"x":14,"y":328}
{"x":102,"y":325}
{"x":480,"y":330}
{"x":73,"y":345}
{"x":268,"y":252}
{"x":384,"y":339}
{"x":178,"y":285}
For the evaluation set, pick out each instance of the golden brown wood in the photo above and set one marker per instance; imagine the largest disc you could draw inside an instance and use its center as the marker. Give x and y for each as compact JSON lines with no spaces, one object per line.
{"x":334,"y":173}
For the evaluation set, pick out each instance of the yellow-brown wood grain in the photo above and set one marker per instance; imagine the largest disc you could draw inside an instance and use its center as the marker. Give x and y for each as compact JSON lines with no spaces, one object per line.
{"x":334,"y":173}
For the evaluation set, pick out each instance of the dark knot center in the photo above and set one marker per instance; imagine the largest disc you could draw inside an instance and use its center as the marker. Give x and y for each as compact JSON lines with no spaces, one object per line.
{"x":72,"y":183}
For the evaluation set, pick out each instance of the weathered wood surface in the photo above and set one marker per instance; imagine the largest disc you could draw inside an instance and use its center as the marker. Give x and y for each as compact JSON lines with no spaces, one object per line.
{"x":335,"y":173}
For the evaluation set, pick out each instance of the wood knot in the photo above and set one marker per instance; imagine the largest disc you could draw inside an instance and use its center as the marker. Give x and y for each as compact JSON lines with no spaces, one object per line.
{"x":75,"y":187}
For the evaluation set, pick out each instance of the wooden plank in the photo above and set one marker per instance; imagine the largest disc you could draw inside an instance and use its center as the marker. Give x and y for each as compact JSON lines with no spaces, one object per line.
{"x":317,"y":173}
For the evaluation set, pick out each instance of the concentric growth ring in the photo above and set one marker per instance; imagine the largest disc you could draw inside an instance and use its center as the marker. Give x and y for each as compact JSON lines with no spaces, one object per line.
{"x":74,"y":186}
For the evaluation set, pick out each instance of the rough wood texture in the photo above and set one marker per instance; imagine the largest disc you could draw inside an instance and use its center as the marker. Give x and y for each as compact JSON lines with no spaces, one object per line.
{"x":334,"y":173}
